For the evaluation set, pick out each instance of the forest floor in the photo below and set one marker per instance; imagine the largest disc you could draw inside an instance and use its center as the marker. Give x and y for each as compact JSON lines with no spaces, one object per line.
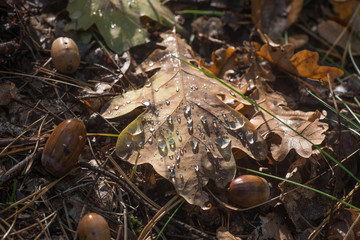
{"x":288,"y":64}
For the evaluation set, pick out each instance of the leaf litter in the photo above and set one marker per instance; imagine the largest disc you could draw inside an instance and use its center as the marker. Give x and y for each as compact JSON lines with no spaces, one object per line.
{"x":185,"y":132}
{"x":190,"y":123}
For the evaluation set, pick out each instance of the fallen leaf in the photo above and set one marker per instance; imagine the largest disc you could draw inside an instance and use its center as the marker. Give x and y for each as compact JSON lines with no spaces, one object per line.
{"x":306,"y":123}
{"x":223,"y":234}
{"x":304,"y":206}
{"x":306,"y":63}
{"x":344,"y":9}
{"x":279,"y":56}
{"x":330,"y":30}
{"x":117,"y":21}
{"x":273,"y":227}
{"x":185,"y":131}
{"x":303,"y":63}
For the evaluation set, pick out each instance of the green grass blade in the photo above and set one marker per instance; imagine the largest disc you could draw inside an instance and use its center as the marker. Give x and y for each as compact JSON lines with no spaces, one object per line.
{"x":351,"y":56}
{"x":201,"y":12}
{"x":167,"y":222}
{"x":333,"y":109}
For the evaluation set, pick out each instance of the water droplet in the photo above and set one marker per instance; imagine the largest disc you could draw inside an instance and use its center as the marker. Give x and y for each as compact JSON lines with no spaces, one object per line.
{"x":223,"y":142}
{"x":224,"y":146}
{"x":192,"y":105}
{"x":177,"y":89}
{"x":162,"y":147}
{"x":181,"y":178}
{"x":196,"y":168}
{"x":177,"y":159}
{"x":203,"y":120}
{"x":150,"y":141}
{"x":232,"y":93}
{"x":151,"y":129}
{"x":207,"y":149}
{"x":171,"y":157}
{"x":167,"y":102}
{"x":148,"y":84}
{"x":194,"y":145}
{"x":178,"y":118}
{"x":128,"y":101}
{"x":147,"y":103}
{"x":190,"y":125}
{"x":169,"y":120}
{"x":225,"y":117}
{"x":116,"y":107}
{"x":214,"y":123}
{"x":236,"y":125}
{"x":251,"y":136}
{"x":180,"y":138}
{"x":211,"y":145}
{"x":171,"y":173}
{"x":172,"y":144}
{"x":181,"y":151}
{"x":177,"y":132}
{"x":156,"y":89}
{"x":156,"y":113}
{"x":199,"y":127}
{"x":187,"y":111}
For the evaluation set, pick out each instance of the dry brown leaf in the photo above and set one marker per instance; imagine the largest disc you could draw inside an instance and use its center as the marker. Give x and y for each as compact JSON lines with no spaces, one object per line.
{"x":304,"y":206}
{"x":306,"y":123}
{"x":273,"y":227}
{"x":306,"y":63}
{"x":344,"y":9}
{"x":223,"y":234}
{"x":185,"y":132}
{"x":330,"y":30}
{"x":303,"y":63}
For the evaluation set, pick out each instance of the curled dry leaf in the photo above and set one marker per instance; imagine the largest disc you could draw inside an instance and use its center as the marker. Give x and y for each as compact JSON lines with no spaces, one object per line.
{"x":305,"y":123}
{"x":303,"y":63}
{"x":185,"y":132}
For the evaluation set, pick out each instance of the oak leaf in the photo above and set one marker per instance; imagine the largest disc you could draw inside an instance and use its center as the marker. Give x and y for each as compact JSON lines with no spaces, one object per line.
{"x":285,"y":139}
{"x":303,"y":63}
{"x":185,"y":131}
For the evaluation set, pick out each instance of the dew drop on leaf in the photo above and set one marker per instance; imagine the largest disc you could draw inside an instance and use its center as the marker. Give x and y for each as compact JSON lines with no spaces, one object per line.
{"x":250,"y":136}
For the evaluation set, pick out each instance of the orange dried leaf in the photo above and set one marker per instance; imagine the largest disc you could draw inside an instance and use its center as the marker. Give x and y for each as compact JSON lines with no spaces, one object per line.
{"x":223,"y":60}
{"x":306,"y":63}
{"x":279,"y":56}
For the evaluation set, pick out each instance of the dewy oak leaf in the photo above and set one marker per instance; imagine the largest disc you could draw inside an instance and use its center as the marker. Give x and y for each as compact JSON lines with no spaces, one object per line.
{"x":185,"y":131}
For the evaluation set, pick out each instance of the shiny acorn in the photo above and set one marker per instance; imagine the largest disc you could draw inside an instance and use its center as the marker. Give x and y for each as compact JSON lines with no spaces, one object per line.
{"x":65,"y":55}
{"x":64,"y":146}
{"x":93,"y":227}
{"x":249,"y":190}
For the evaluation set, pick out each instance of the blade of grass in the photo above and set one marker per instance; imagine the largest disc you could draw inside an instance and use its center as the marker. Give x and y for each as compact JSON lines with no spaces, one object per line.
{"x":348,"y":108}
{"x":201,"y":12}
{"x":281,"y":121}
{"x":351,"y":56}
{"x":167,"y":222}
{"x":333,"y":109}
{"x":302,"y":185}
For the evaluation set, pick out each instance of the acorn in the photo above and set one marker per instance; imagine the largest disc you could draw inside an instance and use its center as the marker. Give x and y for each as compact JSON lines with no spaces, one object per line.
{"x":93,"y":227}
{"x":65,"y":55}
{"x":249,"y":190}
{"x":64,"y":146}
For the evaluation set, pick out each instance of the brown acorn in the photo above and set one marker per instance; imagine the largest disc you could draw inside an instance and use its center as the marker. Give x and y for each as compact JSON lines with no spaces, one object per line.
{"x":93,"y":227}
{"x":64,"y":146}
{"x":65,"y":55}
{"x":249,"y":190}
